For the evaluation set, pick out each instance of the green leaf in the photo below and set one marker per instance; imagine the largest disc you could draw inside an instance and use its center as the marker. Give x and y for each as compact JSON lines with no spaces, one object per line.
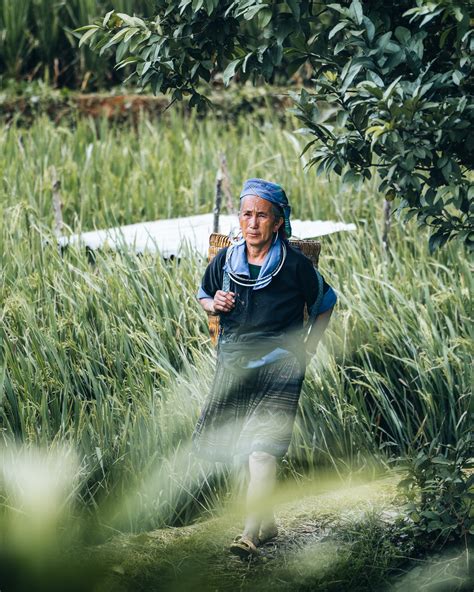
{"x":341,"y":118}
{"x":121,"y":50}
{"x":304,"y":131}
{"x":403,"y":35}
{"x":350,"y":176}
{"x":351,"y":74}
{"x":210,"y":6}
{"x":388,"y":93}
{"x":457,"y":77}
{"x":371,"y":88}
{"x":434,"y":525}
{"x":132,"y":21}
{"x":229,"y":72}
{"x":284,"y":29}
{"x":115,"y":39}
{"x":107,"y":18}
{"x":299,"y":42}
{"x":338,"y":8}
{"x":87,"y":35}
{"x":132,"y":31}
{"x":183,"y":5}
{"x":264,"y":17}
{"x":128,"y":60}
{"x":356,"y":10}
{"x":245,"y":62}
{"x":438,"y":239}
{"x":86,"y":28}
{"x":307,"y":147}
{"x":374,"y":77}
{"x":383,"y":40}
{"x":395,"y":60}
{"x":294,"y":64}
{"x":145,"y":68}
{"x":370,"y":28}
{"x":336,"y":29}
{"x":295,"y":8}
{"x":251,"y":12}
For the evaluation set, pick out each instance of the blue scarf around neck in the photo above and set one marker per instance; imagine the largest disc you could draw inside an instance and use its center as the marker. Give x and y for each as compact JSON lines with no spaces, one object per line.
{"x":237,"y":263}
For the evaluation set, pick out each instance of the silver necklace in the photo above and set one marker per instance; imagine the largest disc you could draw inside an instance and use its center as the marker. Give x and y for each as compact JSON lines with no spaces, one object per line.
{"x":258,"y":281}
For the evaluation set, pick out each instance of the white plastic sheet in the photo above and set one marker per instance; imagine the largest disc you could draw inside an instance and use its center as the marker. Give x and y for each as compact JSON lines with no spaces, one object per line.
{"x":172,"y":237}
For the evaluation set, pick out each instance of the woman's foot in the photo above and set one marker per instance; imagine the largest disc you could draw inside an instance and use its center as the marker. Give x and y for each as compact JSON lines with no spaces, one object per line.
{"x":268,"y":532}
{"x":244,"y":547}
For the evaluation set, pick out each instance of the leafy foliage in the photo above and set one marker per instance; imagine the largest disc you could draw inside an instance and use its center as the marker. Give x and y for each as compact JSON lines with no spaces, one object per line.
{"x":390,"y":89}
{"x":439,"y":488}
{"x":398,"y":91}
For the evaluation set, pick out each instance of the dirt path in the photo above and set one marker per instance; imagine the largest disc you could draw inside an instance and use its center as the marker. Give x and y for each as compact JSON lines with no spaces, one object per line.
{"x":306,"y":555}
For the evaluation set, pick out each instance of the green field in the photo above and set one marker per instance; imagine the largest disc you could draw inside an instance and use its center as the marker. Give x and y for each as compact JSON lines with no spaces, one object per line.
{"x":38,"y":41}
{"x":110,"y":361}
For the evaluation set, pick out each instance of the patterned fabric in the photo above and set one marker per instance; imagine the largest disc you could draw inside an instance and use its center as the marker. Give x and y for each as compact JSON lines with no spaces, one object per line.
{"x":271,"y":192}
{"x":249,"y":410}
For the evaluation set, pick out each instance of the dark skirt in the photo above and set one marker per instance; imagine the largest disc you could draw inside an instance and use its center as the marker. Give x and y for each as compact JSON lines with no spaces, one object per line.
{"x":249,"y":410}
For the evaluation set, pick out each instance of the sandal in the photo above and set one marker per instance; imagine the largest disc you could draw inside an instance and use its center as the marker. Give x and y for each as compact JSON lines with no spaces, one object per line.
{"x":243,"y":548}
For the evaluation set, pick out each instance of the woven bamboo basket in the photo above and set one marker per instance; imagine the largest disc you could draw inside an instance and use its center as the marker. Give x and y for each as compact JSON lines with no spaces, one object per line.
{"x":310,"y":248}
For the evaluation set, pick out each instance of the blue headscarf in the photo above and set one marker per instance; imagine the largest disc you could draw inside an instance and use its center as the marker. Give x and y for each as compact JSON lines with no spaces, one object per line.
{"x":271,"y":192}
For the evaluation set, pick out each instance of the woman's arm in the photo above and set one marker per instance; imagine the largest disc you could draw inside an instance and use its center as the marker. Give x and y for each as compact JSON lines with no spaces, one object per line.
{"x":317,"y":330}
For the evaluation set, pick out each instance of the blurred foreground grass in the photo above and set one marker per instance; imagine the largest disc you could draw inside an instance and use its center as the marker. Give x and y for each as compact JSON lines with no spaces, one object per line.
{"x":333,"y":536}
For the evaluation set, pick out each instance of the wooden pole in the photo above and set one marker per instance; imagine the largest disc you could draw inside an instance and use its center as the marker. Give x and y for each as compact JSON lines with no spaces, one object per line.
{"x":218,"y":202}
{"x":387,"y":209}
{"x":57,"y":205}
{"x":231,"y":209}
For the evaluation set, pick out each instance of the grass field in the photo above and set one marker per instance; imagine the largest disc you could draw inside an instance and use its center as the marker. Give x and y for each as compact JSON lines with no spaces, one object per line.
{"x":106,"y":365}
{"x":38,"y":40}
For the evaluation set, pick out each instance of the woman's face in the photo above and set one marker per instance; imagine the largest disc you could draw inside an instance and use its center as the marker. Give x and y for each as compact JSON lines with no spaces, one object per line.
{"x":257,"y":221}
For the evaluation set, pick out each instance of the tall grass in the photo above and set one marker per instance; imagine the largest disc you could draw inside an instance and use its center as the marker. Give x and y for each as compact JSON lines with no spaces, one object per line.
{"x":396,"y":371}
{"x":115,"y":176}
{"x":37,"y":39}
{"x":113,"y":359}
{"x":14,"y":43}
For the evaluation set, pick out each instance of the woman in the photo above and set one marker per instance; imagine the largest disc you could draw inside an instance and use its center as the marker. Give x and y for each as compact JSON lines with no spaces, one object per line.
{"x":259,"y":287}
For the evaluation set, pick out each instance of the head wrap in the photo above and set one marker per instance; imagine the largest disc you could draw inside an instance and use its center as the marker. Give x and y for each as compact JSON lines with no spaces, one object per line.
{"x":271,"y":192}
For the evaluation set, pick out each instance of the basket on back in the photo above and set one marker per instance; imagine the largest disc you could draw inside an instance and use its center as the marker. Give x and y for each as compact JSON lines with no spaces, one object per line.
{"x":310,"y":248}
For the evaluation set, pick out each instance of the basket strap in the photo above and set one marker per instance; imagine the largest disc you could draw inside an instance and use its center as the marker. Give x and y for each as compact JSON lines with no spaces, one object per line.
{"x":226,"y":278}
{"x":225,"y":288}
{"x":226,"y":282}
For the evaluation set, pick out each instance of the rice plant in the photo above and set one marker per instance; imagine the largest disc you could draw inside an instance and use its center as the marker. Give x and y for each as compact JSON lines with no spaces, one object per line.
{"x":14,"y":43}
{"x":37,"y":40}
{"x":112,"y":175}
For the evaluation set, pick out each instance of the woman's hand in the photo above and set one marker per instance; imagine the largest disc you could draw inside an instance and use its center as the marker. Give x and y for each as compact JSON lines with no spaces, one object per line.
{"x":224,"y":301}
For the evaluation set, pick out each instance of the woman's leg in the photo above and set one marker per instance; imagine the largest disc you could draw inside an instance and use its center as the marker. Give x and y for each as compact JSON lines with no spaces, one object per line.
{"x":262,"y":471}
